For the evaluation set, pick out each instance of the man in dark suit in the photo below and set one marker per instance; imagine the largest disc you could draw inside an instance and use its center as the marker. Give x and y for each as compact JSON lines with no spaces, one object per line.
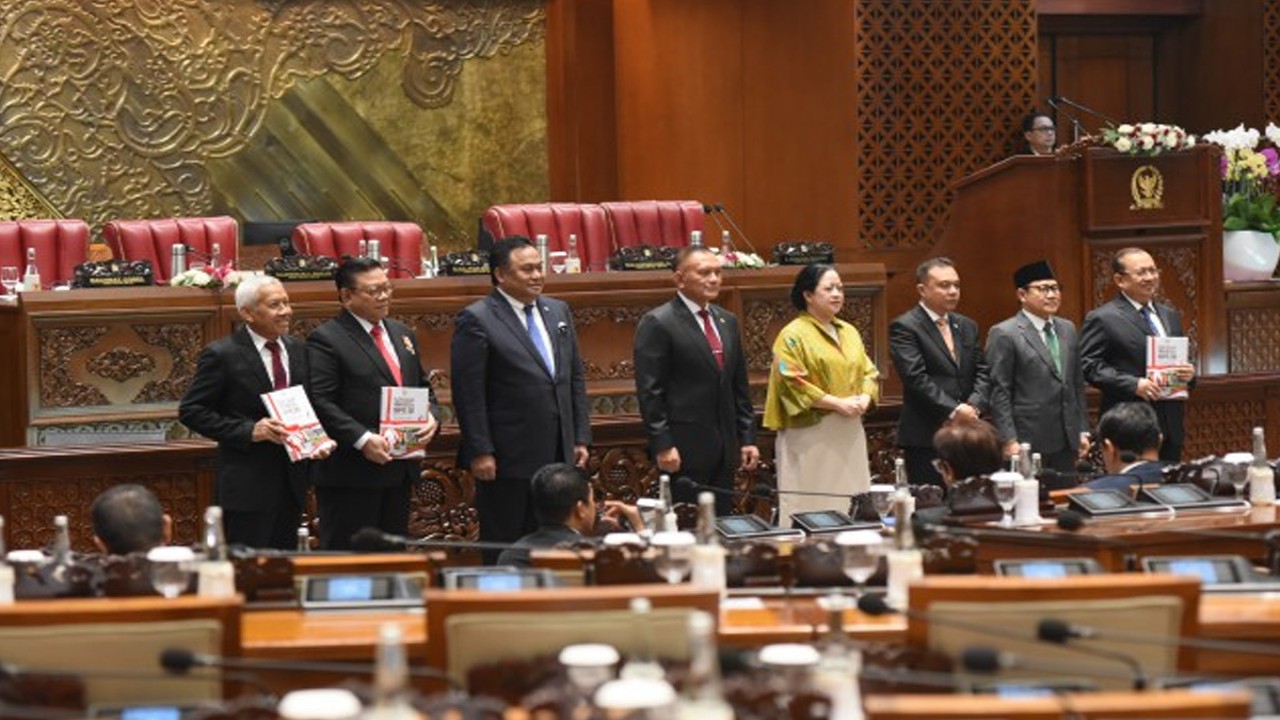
{"x":1113,"y":345}
{"x":518,"y":390}
{"x":1037,"y":386}
{"x":566,"y":509}
{"x":691,"y":381}
{"x":943,"y":371}
{"x":1130,"y":441}
{"x":260,"y":491}
{"x":353,"y":356}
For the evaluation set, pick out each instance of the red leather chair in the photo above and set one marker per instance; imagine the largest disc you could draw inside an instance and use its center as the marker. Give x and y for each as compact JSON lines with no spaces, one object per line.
{"x":60,"y":246}
{"x":399,"y":242}
{"x":654,"y":222}
{"x":154,"y":239}
{"x":557,"y":221}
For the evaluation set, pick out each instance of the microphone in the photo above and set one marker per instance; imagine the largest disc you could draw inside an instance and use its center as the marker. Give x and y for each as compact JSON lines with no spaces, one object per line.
{"x":1061,"y":632}
{"x":372,"y":539}
{"x":720,"y":209}
{"x":179,"y":661}
{"x":1063,"y":99}
{"x":711,"y":211}
{"x":687,"y":484}
{"x":875,"y":605}
{"x":983,"y":659}
{"x":1076,"y":129}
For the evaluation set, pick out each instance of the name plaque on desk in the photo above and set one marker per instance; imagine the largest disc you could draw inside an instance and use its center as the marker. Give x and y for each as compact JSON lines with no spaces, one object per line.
{"x":469,"y":262}
{"x":643,"y":257}
{"x":113,"y":273}
{"x":296,"y":268}
{"x":804,"y":252}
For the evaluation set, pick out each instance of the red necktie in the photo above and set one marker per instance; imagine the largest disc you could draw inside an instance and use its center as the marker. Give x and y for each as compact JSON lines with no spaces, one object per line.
{"x":392,"y":363}
{"x":279,"y":377}
{"x":713,"y":340}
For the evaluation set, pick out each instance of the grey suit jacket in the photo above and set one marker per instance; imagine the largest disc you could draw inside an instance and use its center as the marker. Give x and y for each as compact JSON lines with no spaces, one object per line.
{"x":1030,"y":400}
{"x":934,"y":383}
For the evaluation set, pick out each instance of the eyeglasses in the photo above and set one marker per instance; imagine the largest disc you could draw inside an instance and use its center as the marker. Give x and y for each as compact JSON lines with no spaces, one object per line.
{"x":1046,"y":289}
{"x":375,"y":292}
{"x":1045,"y":129}
{"x":1143,"y":273}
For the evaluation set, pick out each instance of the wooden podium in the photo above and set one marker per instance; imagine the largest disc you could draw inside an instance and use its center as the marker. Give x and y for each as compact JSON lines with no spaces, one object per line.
{"x":1075,"y":212}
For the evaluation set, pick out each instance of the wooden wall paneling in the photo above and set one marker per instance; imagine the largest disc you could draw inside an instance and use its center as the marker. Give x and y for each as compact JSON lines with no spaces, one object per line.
{"x":799,"y":114}
{"x":1221,"y":65}
{"x":1253,"y":328}
{"x":679,"y":88}
{"x":581,"y":104}
{"x":1114,"y":74}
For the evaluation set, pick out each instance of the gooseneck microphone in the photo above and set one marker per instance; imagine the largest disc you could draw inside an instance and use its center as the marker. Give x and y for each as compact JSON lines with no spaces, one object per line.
{"x":710,"y":210}
{"x":179,"y":661}
{"x":875,"y":605}
{"x":372,"y":539}
{"x":1062,"y":632}
{"x":719,"y":207}
{"x":984,"y":659}
{"x":687,"y":484}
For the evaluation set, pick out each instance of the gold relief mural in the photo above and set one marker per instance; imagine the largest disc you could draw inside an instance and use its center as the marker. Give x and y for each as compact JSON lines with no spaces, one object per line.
{"x":120,"y":107}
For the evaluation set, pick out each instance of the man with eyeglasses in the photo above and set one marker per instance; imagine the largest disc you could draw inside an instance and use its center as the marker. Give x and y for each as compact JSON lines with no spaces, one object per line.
{"x":1037,"y":385}
{"x":1039,"y":132}
{"x":1113,"y":345}
{"x":353,"y":356}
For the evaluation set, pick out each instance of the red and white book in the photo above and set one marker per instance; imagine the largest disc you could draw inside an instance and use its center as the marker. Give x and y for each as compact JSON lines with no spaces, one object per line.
{"x":306,"y":437}
{"x":405,"y":412}
{"x":1164,"y":355}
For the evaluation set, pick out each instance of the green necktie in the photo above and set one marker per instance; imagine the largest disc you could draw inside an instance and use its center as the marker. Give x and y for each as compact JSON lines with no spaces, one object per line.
{"x":1051,"y":339}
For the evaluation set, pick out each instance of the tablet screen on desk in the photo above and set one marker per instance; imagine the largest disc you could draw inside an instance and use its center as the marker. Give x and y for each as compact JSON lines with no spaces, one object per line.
{"x":1211,"y":569}
{"x":1177,"y":494}
{"x":741,"y":524}
{"x":1047,"y":568}
{"x":497,"y":578}
{"x":350,"y":588}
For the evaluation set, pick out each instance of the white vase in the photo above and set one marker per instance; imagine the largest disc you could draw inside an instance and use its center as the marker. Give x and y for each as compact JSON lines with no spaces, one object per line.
{"x":1248,"y":255}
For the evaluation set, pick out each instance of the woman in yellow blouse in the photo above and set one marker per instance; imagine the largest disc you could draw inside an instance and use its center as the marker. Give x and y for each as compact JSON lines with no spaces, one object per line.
{"x":820,"y":386}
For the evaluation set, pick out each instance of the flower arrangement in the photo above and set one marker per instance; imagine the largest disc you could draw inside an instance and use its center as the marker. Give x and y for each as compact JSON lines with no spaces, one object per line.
{"x":1250,"y":178}
{"x":735,"y":259}
{"x":1147,"y":138}
{"x":224,"y":275}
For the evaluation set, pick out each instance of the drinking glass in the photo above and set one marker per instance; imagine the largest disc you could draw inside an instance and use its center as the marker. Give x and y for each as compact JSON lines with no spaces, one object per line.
{"x":557,"y":260}
{"x":860,"y":555}
{"x":9,"y":278}
{"x":1006,"y":495}
{"x":1237,"y":469}
{"x":674,"y":551}
{"x":882,"y":500}
{"x":171,"y":569}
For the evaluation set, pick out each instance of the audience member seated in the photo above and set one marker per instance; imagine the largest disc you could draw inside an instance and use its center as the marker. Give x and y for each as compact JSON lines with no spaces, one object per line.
{"x":1130,"y":437}
{"x":129,"y":519}
{"x":968,"y":452}
{"x":565,"y":507}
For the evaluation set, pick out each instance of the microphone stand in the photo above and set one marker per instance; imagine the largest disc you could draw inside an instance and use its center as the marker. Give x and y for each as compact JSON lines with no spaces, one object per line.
{"x":1075,"y":121}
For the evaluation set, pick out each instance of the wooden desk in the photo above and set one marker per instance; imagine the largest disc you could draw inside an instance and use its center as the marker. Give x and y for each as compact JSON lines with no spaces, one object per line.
{"x":1118,"y":543}
{"x":1156,"y":704}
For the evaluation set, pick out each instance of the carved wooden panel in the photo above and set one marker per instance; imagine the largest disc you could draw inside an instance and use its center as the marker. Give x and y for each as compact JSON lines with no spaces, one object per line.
{"x":941,"y":87}
{"x":1221,"y":426}
{"x":1253,"y":336}
{"x":117,"y":363}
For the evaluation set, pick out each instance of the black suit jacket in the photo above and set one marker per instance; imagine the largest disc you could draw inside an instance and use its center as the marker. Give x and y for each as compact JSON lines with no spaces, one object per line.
{"x":224,"y":402}
{"x":547,"y":536}
{"x":347,"y":377}
{"x":506,"y":402}
{"x":1113,"y":354}
{"x":686,"y":400}
{"x":933,"y":383}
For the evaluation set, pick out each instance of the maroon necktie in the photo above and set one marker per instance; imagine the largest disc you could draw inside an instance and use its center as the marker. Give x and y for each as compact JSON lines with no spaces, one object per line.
{"x":713,"y":340}
{"x":279,"y":377}
{"x":392,"y":364}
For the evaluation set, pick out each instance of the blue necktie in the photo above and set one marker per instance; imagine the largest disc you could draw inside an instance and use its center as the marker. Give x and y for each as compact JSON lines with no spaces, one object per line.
{"x":1151,"y":323}
{"x":536,"y":337}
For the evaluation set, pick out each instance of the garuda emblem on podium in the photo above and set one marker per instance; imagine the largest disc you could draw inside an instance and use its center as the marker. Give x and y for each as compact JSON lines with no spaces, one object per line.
{"x":1147,"y":188}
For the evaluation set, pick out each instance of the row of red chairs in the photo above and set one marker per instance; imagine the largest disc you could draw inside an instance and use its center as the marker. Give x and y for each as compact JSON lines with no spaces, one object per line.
{"x":60,"y":245}
{"x":600,"y":229}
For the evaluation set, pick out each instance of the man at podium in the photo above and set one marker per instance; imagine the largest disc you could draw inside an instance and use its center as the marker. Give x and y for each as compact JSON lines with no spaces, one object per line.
{"x":1040,"y":133}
